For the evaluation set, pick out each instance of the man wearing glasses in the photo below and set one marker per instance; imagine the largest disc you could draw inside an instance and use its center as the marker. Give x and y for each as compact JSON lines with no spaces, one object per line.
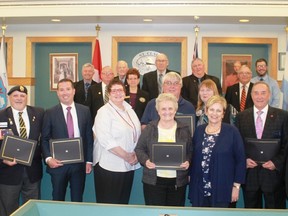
{"x":239,"y":94}
{"x":262,"y":75}
{"x":172,"y":83}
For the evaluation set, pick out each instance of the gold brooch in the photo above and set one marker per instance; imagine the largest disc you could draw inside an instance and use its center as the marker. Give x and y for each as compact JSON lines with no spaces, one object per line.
{"x":142,"y":99}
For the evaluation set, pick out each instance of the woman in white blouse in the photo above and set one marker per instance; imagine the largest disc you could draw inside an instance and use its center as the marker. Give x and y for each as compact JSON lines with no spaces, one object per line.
{"x":116,"y":129}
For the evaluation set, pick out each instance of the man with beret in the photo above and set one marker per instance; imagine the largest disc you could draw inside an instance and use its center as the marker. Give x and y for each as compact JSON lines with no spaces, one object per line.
{"x":17,"y":179}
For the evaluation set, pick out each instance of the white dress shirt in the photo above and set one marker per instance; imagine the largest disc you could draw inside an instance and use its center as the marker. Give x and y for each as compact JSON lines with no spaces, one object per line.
{"x":25,"y":118}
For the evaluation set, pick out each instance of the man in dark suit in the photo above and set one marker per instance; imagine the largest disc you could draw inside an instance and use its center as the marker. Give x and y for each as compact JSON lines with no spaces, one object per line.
{"x":55,"y":127}
{"x":152,"y":81}
{"x":96,"y":94}
{"x":17,"y":179}
{"x":190,"y":83}
{"x":264,"y":122}
{"x":122,"y":69}
{"x":82,"y":86}
{"x":234,"y":93}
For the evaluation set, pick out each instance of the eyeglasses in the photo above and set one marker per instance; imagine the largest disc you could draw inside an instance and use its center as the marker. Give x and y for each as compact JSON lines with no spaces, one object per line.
{"x":169,"y":83}
{"x":161,"y":61}
{"x":244,"y":73}
{"x":261,"y":66}
{"x":117,"y":90}
{"x":107,"y":74}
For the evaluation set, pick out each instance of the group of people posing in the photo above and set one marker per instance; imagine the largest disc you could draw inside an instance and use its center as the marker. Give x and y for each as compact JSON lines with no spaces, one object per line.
{"x":119,"y":122}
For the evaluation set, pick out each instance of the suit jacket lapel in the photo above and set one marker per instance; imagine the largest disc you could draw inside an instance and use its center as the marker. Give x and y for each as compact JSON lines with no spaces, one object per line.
{"x":11,"y":121}
{"x":270,"y":119}
{"x":60,"y":116}
{"x":237,"y":95}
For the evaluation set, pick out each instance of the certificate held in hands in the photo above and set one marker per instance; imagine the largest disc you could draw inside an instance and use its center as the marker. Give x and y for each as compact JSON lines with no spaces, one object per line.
{"x":19,"y":148}
{"x":68,"y":151}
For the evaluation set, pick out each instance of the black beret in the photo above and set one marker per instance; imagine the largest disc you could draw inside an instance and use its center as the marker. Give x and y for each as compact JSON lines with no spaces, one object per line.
{"x":19,"y":88}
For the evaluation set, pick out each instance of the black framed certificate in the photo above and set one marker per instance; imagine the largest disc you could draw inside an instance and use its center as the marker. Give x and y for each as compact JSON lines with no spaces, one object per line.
{"x":188,"y":120}
{"x":261,"y":150}
{"x":19,"y":148}
{"x":67,"y":150}
{"x":168,"y":155}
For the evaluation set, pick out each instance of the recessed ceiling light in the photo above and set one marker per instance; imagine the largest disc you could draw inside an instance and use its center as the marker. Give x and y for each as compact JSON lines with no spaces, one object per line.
{"x":147,"y":20}
{"x":244,"y":20}
{"x":55,"y":20}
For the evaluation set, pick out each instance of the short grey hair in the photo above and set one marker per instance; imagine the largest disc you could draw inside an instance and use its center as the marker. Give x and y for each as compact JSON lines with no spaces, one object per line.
{"x":172,"y":75}
{"x":166,"y":97}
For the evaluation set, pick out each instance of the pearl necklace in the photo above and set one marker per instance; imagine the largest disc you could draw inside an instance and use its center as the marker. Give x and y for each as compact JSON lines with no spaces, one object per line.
{"x":208,"y":131}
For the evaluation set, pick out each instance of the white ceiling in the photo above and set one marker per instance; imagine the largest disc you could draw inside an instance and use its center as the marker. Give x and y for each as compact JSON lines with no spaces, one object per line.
{"x":160,"y":11}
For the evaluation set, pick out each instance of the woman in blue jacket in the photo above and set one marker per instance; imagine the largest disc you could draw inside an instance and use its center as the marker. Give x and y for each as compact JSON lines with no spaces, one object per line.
{"x":218,"y":162}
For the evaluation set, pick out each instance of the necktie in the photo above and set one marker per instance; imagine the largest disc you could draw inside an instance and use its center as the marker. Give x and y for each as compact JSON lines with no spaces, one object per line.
{"x":70,"y":126}
{"x":106,"y":95}
{"x":261,"y":79}
{"x":23,"y":132}
{"x":87,"y":85}
{"x":199,"y":81}
{"x":243,"y":99}
{"x":259,"y":125}
{"x":160,"y":83}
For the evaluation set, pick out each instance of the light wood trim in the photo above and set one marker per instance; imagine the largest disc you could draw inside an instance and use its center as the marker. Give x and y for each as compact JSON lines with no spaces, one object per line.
{"x":26,"y":81}
{"x":182,"y":40}
{"x":9,"y":57}
{"x":271,"y":42}
{"x":30,"y":41}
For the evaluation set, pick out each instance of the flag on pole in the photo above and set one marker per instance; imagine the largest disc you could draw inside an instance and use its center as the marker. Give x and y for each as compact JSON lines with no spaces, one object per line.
{"x":97,"y":62}
{"x":3,"y":76}
{"x":195,"y":53}
{"x":285,"y":77}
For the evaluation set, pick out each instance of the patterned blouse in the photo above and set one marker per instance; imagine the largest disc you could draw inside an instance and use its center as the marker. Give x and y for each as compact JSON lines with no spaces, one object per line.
{"x":207,"y":148}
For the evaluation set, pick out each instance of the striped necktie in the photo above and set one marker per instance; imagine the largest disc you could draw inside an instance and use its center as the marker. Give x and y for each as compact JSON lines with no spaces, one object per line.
{"x":243,"y":98}
{"x":106,"y":95}
{"x":23,"y":131}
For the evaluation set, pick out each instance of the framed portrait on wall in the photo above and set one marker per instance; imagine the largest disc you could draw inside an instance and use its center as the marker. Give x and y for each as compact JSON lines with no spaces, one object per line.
{"x":230,"y":64}
{"x":63,"y":65}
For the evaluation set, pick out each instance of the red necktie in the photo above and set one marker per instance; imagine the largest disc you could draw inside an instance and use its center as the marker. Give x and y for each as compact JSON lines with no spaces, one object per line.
{"x":243,"y":99}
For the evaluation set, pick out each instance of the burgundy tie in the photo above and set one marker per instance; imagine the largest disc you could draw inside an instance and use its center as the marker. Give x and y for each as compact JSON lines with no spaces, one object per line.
{"x":70,"y":126}
{"x":243,"y":99}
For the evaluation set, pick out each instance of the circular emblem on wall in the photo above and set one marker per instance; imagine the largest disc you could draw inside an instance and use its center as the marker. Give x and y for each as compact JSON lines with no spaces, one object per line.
{"x":145,"y":61}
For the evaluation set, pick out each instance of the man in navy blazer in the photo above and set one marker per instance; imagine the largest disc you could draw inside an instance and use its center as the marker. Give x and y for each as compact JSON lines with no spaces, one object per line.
{"x":267,"y":178}
{"x":150,"y":79}
{"x":234,"y":92}
{"x":17,"y":179}
{"x":82,"y":86}
{"x":55,"y":127}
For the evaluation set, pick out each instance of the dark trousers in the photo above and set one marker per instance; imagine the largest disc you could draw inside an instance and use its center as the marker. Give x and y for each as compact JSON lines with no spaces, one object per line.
{"x":10,"y":194}
{"x":75,"y":175}
{"x":164,"y":193}
{"x":112,"y":187}
{"x":273,"y":200}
